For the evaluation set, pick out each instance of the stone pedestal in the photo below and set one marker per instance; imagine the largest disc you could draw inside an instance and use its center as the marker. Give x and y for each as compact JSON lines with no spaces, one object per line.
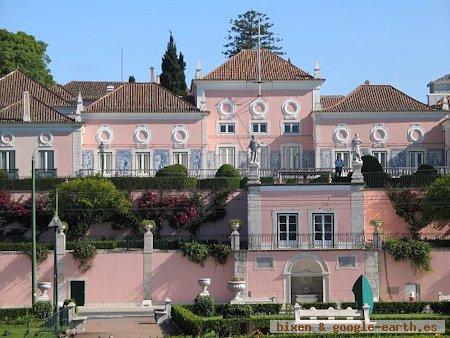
{"x":254,"y":174}
{"x":357,"y":176}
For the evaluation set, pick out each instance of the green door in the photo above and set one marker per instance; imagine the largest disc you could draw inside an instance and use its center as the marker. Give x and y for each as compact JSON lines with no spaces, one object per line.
{"x":77,"y":289}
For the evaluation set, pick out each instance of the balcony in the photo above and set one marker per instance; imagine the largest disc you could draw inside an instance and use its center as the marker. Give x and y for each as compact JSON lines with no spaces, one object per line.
{"x":45,"y":173}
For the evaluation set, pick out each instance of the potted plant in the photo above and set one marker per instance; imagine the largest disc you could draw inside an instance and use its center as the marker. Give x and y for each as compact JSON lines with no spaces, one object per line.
{"x":147,"y":225}
{"x":235,"y":224}
{"x":236,"y":285}
{"x":376,"y":223}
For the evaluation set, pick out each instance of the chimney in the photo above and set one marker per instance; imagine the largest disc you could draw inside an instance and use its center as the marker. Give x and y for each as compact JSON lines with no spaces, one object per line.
{"x":198,"y":71}
{"x":109,"y":88}
{"x":317,"y":70}
{"x":444,"y":103}
{"x":80,"y":108}
{"x":152,"y":74}
{"x":26,"y":107}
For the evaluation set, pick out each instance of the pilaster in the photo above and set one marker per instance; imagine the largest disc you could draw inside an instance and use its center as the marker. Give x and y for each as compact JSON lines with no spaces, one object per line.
{"x":148,"y":253}
{"x":60,"y":261}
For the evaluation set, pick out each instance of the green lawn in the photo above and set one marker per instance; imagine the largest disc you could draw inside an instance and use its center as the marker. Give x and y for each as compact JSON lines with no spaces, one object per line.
{"x":35,"y":330}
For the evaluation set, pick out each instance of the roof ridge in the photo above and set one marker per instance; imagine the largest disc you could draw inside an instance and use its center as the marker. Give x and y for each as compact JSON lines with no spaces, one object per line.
{"x":172,"y":93}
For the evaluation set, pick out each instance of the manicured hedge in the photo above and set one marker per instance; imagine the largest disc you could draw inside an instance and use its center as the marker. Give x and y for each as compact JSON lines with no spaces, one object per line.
{"x":220,"y":183}
{"x":13,"y":313}
{"x":42,"y":184}
{"x":161,"y":182}
{"x":410,"y":307}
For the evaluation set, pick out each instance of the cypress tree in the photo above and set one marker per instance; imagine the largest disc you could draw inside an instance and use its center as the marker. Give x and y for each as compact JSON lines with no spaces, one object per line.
{"x":173,"y":67}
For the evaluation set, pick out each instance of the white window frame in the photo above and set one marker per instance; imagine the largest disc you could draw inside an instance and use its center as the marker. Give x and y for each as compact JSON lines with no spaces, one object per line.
{"x":296,"y":161}
{"x":220,"y":146}
{"x":283,"y":126}
{"x":264,"y":162}
{"x":227,"y":124}
{"x":381,"y":151}
{"x":259,"y":132}
{"x":288,"y":242}
{"x":338,"y":266}
{"x":138,"y":161}
{"x":7,"y":166}
{"x":177,"y":154}
{"x":323,"y":242}
{"x":415,"y":152}
{"x":45,"y":166}
{"x":343,"y":151}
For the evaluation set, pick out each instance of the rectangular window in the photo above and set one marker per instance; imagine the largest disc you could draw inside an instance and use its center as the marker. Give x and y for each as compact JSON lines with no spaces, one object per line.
{"x":291,"y":157}
{"x":106,"y":161}
{"x":381,"y":156}
{"x":226,"y":128}
{"x":346,"y":262}
{"x":344,"y":156}
{"x":264,"y":263}
{"x":323,"y":226}
{"x":181,"y":157}
{"x":259,"y":127}
{"x":46,"y":159}
{"x":226,"y":156}
{"x":416,"y":159}
{"x":287,"y":229}
{"x":142,"y":161}
{"x":292,"y":128}
{"x":8,"y":160}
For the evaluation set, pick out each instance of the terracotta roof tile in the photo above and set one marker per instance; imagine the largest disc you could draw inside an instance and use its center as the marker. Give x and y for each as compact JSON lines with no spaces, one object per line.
{"x":244,"y":66}
{"x":141,"y":98}
{"x":13,"y":85}
{"x":373,"y":98}
{"x":61,"y":91}
{"x":90,"y":90}
{"x":329,"y":100}
{"x":40,"y":113}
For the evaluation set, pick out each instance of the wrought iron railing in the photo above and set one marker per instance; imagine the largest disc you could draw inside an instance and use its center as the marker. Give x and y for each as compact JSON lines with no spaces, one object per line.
{"x":10,"y":173}
{"x":46,"y":173}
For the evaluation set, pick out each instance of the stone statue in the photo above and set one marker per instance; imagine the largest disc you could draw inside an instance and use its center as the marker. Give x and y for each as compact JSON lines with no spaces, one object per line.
{"x":356,"y":149}
{"x":254,"y":147}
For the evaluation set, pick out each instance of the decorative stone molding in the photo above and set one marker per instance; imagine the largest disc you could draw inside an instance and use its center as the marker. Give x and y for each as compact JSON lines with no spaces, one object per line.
{"x":259,"y":108}
{"x":6,"y":140}
{"x":379,"y":134}
{"x":180,"y":135}
{"x":291,"y":108}
{"x":226,"y":109}
{"x":142,"y":135}
{"x":341,"y":134}
{"x":104,"y":134}
{"x":45,"y":140}
{"x":416,"y":133}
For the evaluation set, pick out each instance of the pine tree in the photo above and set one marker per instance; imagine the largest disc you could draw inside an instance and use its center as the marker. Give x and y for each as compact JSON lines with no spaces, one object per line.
{"x":243,"y":34}
{"x":173,"y":67}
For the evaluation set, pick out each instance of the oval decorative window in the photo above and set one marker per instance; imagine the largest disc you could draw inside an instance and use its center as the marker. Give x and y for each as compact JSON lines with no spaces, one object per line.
{"x":259,"y":108}
{"x":379,"y":134}
{"x":416,"y":133}
{"x":142,"y":134}
{"x":45,"y":139}
{"x":180,"y":135}
{"x":341,"y":134}
{"x":104,"y":134}
{"x":6,"y":139}
{"x":291,"y":108}
{"x":226,"y":108}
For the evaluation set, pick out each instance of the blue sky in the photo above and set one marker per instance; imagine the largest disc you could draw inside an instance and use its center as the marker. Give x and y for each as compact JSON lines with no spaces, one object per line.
{"x":403,"y":42}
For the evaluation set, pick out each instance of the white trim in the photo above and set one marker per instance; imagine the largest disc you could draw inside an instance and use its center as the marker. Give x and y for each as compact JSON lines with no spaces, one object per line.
{"x":285,"y":211}
{"x":180,"y":142}
{"x":273,"y":268}
{"x":288,"y":115}
{"x":335,"y":213}
{"x":224,"y":115}
{"x":379,"y":128}
{"x":338,"y":140}
{"x":104,"y":128}
{"x":379,"y":115}
{"x":182,"y":150}
{"x":136,"y":135}
{"x":134,"y":153}
{"x":299,"y":158}
{"x":9,"y":143}
{"x":250,"y":127}
{"x":227,"y":145}
{"x":415,"y":127}
{"x":144,"y":116}
{"x":201,"y":84}
{"x":282,"y":124}
{"x":219,"y":122}
{"x":259,"y":115}
{"x":42,"y":142}
{"x":300,"y":188}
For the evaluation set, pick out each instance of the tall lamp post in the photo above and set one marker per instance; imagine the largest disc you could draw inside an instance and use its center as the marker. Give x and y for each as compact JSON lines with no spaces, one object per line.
{"x":102,"y":149}
{"x":33,"y":231}
{"x":59,"y":227}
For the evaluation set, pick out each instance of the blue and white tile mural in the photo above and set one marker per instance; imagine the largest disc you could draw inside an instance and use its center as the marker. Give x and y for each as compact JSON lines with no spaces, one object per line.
{"x":87,"y":159}
{"x":124,"y":160}
{"x":160,"y":158}
{"x":196,"y":159}
{"x":436,"y":157}
{"x":242,"y":159}
{"x":398,"y":158}
{"x":211,"y":160}
{"x":325,"y":158}
{"x":308,"y":158}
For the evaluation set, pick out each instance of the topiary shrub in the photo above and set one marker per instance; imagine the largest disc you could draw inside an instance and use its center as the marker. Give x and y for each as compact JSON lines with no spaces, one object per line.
{"x":426,"y":169}
{"x":84,"y":252}
{"x":42,"y":309}
{"x":237,"y":311}
{"x":227,"y":170}
{"x":373,"y":172}
{"x":204,"y":306}
{"x":371,"y":165}
{"x":174,"y":170}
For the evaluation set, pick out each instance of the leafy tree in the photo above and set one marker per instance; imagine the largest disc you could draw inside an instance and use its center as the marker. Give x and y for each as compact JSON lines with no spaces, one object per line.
{"x":85,"y":201}
{"x":173,"y":67}
{"x":437,"y":200}
{"x":131,"y":79}
{"x":243,"y":34}
{"x":23,"y":51}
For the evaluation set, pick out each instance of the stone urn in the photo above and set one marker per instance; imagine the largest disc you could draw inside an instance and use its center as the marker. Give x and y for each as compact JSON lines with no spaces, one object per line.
{"x":204,"y":283}
{"x":236,"y":286}
{"x":147,"y":225}
{"x":44,"y":287}
{"x":376,"y":223}
{"x":234,"y":224}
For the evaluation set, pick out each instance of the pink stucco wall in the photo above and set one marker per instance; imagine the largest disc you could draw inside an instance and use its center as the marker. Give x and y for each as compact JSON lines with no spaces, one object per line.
{"x":397,"y":131}
{"x":306,"y":202}
{"x":161,"y":133}
{"x":269,"y":283}
{"x":274,"y":138}
{"x":396,"y":274}
{"x":174,"y":276}
{"x":377,"y":205}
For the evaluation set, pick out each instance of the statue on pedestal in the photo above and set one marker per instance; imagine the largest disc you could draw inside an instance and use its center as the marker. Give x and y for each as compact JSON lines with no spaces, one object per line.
{"x":356,"y":149}
{"x":254,"y":147}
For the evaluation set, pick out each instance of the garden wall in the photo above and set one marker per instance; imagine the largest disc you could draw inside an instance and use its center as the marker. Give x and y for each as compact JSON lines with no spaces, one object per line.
{"x":394,"y":275}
